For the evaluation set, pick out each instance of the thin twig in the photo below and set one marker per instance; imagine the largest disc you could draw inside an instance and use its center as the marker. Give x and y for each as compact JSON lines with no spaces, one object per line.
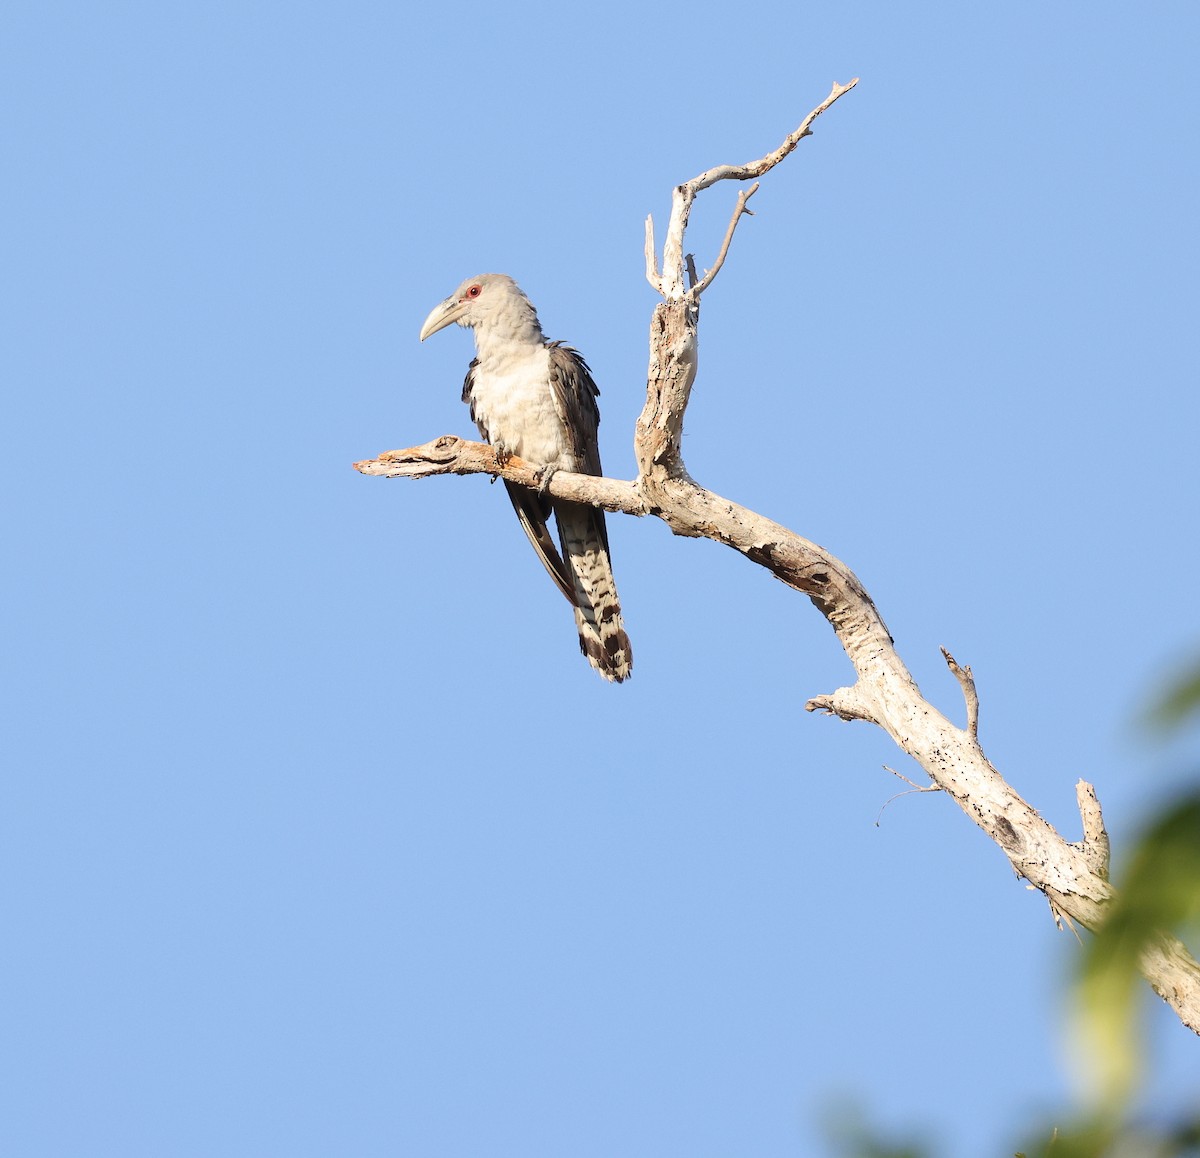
{"x":907,"y":792}
{"x":1061,"y":917}
{"x":670,"y":282}
{"x":738,"y":210}
{"x":912,"y":783}
{"x":753,"y":169}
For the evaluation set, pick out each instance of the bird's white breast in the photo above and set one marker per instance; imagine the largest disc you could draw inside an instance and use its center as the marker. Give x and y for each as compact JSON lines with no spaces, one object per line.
{"x":513,"y":402}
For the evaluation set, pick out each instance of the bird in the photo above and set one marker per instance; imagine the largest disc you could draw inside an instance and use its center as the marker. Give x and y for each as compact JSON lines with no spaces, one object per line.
{"x":536,"y":399}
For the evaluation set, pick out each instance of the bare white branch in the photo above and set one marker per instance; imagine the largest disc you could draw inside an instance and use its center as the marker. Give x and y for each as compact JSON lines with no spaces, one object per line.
{"x":753,"y":169}
{"x":1073,"y":877}
{"x":453,"y":455}
{"x":967,"y":683}
{"x":652,"y":274}
{"x":1095,"y":836}
{"x":670,"y":283}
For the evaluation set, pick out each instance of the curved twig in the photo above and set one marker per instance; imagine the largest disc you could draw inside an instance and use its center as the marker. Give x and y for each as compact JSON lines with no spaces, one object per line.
{"x":670,"y":283}
{"x":738,"y":210}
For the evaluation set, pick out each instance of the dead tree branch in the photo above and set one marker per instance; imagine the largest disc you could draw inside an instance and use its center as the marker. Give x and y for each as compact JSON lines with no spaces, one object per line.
{"x":1073,"y":876}
{"x":453,"y":455}
{"x":670,"y":282}
{"x":967,"y":681}
{"x":697,"y":288}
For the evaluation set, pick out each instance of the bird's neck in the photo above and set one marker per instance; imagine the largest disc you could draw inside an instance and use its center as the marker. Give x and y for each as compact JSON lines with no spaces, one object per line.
{"x":517,"y":337}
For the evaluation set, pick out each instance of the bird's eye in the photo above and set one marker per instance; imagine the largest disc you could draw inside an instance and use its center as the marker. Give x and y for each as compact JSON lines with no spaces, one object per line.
{"x":474,"y":291}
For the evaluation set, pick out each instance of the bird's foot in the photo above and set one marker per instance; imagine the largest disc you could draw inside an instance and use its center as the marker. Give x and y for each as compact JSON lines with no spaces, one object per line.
{"x":503,"y":454}
{"x":544,"y":475}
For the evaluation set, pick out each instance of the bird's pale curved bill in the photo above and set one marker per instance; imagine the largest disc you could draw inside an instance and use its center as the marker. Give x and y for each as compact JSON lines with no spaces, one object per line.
{"x":442,"y":315}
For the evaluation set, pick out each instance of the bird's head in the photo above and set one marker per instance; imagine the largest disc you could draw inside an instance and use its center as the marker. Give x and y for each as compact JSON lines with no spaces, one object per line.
{"x":483,"y":302}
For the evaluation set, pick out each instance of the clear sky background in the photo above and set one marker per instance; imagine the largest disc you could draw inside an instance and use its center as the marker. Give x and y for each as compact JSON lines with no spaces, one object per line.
{"x":319,"y":837}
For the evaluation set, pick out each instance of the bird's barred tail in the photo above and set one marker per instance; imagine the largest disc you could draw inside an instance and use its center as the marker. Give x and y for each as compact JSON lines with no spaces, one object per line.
{"x":602,"y":637}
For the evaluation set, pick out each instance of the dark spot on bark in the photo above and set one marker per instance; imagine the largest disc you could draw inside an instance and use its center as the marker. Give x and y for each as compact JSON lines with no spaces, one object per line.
{"x":1006,"y":834}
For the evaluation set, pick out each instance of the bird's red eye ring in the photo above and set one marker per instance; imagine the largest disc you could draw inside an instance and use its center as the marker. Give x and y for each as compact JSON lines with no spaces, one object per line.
{"x":474,"y":291}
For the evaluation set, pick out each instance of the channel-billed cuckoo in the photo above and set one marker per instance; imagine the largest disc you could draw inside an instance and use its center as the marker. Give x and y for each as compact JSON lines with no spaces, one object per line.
{"x":536,"y":399}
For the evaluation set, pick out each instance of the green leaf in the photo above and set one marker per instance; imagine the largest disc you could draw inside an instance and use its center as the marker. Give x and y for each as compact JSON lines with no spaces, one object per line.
{"x":1180,"y":701}
{"x":1160,"y":894}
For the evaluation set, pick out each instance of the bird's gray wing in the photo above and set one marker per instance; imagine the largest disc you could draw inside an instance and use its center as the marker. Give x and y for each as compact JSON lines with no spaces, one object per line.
{"x":532,"y":509}
{"x":582,"y":530}
{"x":575,"y":396}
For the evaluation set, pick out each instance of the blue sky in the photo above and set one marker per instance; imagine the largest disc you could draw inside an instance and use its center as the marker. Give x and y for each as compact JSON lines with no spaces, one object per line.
{"x":319,"y":836}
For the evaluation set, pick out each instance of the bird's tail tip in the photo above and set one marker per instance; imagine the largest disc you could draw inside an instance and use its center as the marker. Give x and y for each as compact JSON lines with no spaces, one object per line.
{"x":609,"y":653}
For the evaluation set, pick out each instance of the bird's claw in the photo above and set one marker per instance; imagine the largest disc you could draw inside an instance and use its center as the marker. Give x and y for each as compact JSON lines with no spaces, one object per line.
{"x":503,"y":454}
{"x":544,"y":475}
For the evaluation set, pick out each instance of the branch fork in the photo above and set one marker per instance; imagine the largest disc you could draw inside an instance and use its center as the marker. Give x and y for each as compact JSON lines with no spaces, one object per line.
{"x":1072,"y":876}
{"x":670,"y":282}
